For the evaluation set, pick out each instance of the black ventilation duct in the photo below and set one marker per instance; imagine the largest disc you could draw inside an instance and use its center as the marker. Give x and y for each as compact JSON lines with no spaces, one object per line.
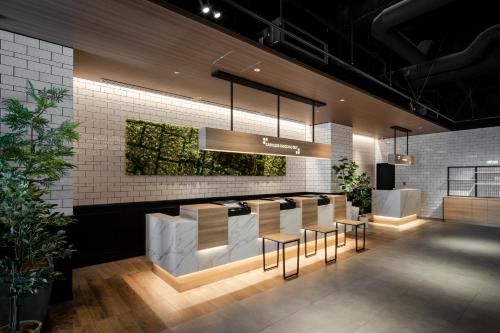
{"x":475,"y":60}
{"x":384,"y":26}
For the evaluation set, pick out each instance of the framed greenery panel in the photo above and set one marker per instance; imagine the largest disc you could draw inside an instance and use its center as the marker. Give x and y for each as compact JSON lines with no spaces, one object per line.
{"x":166,"y":149}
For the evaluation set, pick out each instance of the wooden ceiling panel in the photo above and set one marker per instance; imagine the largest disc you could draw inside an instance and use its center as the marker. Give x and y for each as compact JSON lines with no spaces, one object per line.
{"x":141,"y":43}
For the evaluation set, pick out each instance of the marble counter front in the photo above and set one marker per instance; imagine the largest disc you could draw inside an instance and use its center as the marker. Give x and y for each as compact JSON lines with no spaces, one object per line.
{"x":396,"y":203}
{"x":173,"y":242}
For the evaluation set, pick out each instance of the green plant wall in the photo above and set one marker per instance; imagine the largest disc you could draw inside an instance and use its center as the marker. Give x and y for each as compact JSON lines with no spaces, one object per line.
{"x":165,"y":149}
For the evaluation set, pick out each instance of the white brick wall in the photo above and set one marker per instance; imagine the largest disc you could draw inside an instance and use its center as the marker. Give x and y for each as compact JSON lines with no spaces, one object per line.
{"x":434,"y":153}
{"x":100,"y":178}
{"x":23,"y":58}
{"x":319,"y":172}
{"x":363,"y":150}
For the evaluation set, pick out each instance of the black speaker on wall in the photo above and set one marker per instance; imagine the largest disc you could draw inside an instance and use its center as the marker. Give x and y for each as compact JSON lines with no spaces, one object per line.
{"x":385,"y":176}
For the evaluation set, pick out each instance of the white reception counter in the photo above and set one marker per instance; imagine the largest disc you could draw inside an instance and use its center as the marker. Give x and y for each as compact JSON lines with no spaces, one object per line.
{"x":394,"y":205}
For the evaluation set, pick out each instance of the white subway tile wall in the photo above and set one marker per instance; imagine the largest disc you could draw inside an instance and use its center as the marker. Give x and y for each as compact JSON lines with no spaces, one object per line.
{"x":45,"y":65}
{"x":319,"y":172}
{"x":364,"y":154}
{"x":434,"y":153}
{"x":102,"y":108}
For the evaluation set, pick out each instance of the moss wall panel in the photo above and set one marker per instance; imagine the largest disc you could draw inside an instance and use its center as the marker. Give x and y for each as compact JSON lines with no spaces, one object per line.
{"x":166,"y":149}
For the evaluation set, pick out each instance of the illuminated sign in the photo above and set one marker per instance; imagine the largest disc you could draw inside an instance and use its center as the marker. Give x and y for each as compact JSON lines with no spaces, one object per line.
{"x":239,"y":142}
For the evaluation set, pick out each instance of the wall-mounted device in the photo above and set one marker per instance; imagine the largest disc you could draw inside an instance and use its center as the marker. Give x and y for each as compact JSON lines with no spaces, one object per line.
{"x":397,"y":158}
{"x":322,"y":199}
{"x":234,"y":207}
{"x":285,"y":203}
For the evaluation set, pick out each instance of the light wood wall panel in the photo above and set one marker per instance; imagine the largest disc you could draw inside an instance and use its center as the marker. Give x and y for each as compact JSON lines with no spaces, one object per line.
{"x":212,"y":223}
{"x":269,"y":215}
{"x":472,"y":210}
{"x":339,"y":202}
{"x":493,"y":213}
{"x":309,"y":210}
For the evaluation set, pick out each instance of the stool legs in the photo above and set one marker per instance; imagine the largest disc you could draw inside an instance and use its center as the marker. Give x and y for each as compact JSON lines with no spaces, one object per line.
{"x":364,"y":238}
{"x":345,"y":232}
{"x":266,"y":268}
{"x":307,"y":255}
{"x":264,"y":256}
{"x":284,"y":259}
{"x":334,"y":259}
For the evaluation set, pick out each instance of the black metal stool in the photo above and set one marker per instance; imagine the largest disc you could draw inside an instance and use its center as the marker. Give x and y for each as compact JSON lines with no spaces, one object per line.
{"x":356,"y":225}
{"x":325,"y":231}
{"x":283,"y":239}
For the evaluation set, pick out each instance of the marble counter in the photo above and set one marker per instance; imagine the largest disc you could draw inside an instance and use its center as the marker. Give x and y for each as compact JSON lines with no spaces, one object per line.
{"x":172,"y":242}
{"x":396,"y":203}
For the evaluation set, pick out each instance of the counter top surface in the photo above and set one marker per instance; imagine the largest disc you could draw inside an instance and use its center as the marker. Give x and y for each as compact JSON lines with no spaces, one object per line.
{"x":261,"y":202}
{"x":202,"y":206}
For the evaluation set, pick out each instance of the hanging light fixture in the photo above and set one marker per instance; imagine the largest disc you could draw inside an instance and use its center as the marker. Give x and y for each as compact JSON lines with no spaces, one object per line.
{"x":400,"y":159}
{"x":215,"y":139}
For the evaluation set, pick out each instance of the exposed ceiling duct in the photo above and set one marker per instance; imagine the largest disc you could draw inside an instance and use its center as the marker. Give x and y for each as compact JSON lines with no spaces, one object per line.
{"x":475,"y":60}
{"x":384,"y":26}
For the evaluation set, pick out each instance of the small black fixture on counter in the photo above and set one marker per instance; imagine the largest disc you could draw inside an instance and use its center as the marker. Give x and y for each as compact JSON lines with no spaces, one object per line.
{"x":400,"y":159}
{"x":322,"y":199}
{"x":234,"y":207}
{"x":285,"y":203}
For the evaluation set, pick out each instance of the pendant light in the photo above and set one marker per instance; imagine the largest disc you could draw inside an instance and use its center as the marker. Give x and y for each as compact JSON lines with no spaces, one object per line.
{"x":400,"y":159}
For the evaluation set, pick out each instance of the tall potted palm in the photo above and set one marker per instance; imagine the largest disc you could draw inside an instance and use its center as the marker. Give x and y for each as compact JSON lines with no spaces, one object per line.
{"x":33,"y":155}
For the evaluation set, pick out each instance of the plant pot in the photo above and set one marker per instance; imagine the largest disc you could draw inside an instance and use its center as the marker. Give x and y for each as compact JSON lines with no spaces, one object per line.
{"x":354,"y":213}
{"x":33,"y":307}
{"x":364,"y":219}
{"x":25,"y":326}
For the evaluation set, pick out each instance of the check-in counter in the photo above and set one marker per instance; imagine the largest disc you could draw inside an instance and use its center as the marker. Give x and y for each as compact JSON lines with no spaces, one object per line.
{"x":202,"y":236}
{"x":395,"y":206}
{"x":208,"y":235}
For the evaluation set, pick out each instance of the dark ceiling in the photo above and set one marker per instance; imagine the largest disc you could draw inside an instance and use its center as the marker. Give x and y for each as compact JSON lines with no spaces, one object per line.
{"x":461,"y":85}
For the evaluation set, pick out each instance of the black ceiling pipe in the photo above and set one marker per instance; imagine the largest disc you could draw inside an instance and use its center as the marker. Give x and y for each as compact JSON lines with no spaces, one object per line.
{"x":384,"y":26}
{"x":490,"y":64}
{"x":477,"y":51}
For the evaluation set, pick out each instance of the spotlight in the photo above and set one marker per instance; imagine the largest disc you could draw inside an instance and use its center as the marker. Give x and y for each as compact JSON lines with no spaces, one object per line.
{"x":342,"y":100}
{"x":205,"y":10}
{"x":177,"y":73}
{"x":256,"y":69}
{"x":217,"y":15}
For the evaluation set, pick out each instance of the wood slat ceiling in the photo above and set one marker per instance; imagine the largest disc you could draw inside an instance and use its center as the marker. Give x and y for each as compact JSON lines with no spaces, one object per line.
{"x":141,"y":43}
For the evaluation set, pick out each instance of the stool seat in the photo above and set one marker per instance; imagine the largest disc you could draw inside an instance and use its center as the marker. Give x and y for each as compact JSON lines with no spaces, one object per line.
{"x":281,"y":238}
{"x":356,"y":225}
{"x":321,"y":228}
{"x":350,"y":222}
{"x":325,"y":230}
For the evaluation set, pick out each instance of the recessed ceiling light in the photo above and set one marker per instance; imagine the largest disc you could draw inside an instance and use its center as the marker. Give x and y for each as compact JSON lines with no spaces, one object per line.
{"x":217,"y":15}
{"x":177,"y":73}
{"x":205,"y":10}
{"x":342,"y":100}
{"x":256,"y":69}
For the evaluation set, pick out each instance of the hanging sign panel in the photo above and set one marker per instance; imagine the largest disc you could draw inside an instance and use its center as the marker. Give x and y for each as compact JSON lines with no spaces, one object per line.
{"x":239,"y":142}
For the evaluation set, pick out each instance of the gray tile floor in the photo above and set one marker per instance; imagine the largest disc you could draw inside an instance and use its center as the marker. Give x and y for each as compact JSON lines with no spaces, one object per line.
{"x":443,"y":279}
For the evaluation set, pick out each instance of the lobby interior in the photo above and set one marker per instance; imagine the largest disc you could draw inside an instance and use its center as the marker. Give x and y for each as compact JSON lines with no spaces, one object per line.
{"x":260,"y":166}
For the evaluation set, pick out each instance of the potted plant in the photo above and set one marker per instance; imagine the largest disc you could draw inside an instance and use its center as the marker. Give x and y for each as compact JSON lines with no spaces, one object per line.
{"x":33,"y":155}
{"x":362,"y":196}
{"x":355,"y":187}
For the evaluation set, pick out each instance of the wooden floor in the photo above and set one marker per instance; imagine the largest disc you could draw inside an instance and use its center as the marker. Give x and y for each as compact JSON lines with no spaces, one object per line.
{"x":125,"y":296}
